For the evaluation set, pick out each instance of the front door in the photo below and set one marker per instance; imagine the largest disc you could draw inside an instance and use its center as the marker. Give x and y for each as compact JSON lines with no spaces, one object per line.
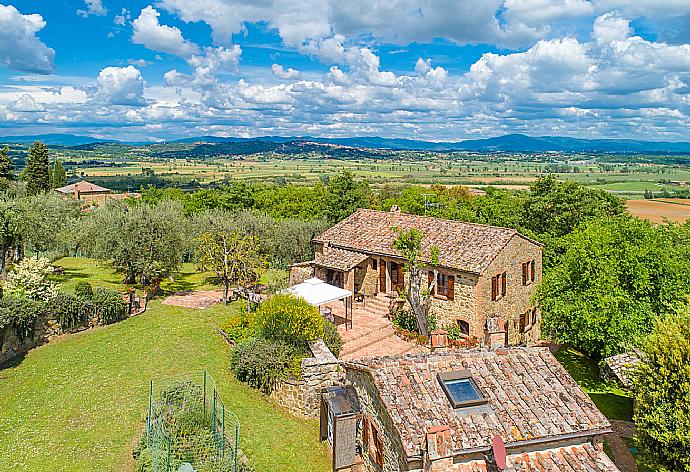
{"x":382,"y":276}
{"x":397,"y":278}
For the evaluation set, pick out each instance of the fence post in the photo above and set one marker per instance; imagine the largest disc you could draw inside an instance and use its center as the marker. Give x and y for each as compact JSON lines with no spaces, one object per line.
{"x":204,"y":409}
{"x":168,"y":467}
{"x":148,"y":417}
{"x":214,"y":417}
{"x":222,"y":437}
{"x":237,"y":443}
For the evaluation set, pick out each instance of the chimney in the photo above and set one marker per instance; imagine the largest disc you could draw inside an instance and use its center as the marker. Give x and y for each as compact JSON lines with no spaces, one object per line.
{"x":76,"y":191}
{"x":439,"y":339}
{"x":438,"y":441}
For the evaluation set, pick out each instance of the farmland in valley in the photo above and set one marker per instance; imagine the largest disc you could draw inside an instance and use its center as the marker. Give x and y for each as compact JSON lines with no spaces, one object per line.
{"x":657,"y":211}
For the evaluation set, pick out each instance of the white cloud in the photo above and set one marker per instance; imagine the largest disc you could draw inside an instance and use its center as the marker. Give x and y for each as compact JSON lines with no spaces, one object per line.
{"x":20,"y":49}
{"x":93,"y":7}
{"x":609,"y":28}
{"x":148,"y":32}
{"x":121,"y":86}
{"x":282,"y":73}
{"x":139,"y":62}
{"x":27,"y":103}
{"x":122,"y":18}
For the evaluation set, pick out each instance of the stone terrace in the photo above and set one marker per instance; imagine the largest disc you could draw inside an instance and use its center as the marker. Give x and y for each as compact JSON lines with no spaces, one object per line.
{"x":372,"y":332}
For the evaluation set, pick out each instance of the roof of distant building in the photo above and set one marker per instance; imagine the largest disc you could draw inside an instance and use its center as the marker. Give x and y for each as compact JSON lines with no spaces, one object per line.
{"x":530,"y":396}
{"x":463,"y":246}
{"x":82,"y":186}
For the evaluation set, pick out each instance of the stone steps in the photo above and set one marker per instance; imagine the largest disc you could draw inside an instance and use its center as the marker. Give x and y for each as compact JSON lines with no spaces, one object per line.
{"x":367,"y":339}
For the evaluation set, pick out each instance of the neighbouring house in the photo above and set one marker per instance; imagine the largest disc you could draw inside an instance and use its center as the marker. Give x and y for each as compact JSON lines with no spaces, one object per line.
{"x":88,"y":192}
{"x":486,"y":274}
{"x":444,"y":411}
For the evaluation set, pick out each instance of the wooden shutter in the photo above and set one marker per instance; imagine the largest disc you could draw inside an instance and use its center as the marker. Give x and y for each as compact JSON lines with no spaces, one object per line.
{"x":365,"y":434}
{"x":494,"y":288}
{"x":532,"y":270}
{"x":503,"y":284}
{"x":401,"y":277}
{"x":431,"y":281}
{"x":525,"y":268}
{"x":450,"y":293}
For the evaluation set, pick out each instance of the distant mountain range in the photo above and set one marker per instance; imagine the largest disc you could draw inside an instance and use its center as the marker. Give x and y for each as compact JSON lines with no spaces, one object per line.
{"x":506,"y":143}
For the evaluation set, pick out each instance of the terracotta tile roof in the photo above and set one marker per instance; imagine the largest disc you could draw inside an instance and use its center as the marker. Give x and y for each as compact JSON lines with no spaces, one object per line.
{"x":578,"y":458}
{"x":530,"y":396}
{"x":83,"y":187}
{"x":463,"y":246}
{"x":339,"y":259}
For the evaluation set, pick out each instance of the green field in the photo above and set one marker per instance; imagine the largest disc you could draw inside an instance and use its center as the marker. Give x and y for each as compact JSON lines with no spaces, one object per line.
{"x":79,"y":403}
{"x":627,"y":180}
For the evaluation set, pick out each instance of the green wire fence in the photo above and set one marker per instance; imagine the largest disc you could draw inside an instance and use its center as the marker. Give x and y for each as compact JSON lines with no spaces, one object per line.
{"x":188,"y":428}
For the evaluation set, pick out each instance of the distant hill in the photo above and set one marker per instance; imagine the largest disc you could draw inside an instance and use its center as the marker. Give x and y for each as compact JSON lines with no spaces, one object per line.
{"x":53,"y":139}
{"x":506,"y":143}
{"x":218,"y":145}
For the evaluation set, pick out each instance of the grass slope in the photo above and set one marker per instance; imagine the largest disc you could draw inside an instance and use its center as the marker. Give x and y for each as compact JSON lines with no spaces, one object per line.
{"x":79,"y":403}
{"x":614,"y":402}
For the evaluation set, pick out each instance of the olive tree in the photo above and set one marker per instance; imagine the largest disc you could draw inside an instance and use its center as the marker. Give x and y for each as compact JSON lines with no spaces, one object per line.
{"x":145,"y":242}
{"x":417,"y":290}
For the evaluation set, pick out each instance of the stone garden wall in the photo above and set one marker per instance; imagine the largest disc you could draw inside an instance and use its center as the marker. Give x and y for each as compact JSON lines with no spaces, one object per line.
{"x":302,"y":397}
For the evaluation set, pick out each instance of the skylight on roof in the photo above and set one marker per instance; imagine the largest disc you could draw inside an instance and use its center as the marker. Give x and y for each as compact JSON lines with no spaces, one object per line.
{"x":461,"y":389}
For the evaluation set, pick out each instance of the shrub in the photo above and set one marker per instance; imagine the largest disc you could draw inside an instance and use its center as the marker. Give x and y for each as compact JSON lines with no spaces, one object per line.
{"x":289,"y":319}
{"x":20,"y":314}
{"x":331,"y":337}
{"x":83,"y":290}
{"x":29,"y":278}
{"x":108,"y":305}
{"x":662,"y":393}
{"x":261,"y":363}
{"x":405,"y":319}
{"x":241,"y":326}
{"x":69,"y":311}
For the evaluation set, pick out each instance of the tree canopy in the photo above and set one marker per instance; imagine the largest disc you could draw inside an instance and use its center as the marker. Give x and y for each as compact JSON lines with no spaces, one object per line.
{"x":37,"y":172}
{"x":662,"y":392}
{"x":58,"y":175}
{"x":617,"y":275}
{"x":6,"y":165}
{"x":145,"y":242}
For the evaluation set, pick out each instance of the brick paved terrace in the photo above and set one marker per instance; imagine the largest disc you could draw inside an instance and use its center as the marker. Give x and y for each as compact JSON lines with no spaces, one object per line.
{"x":372,"y":331}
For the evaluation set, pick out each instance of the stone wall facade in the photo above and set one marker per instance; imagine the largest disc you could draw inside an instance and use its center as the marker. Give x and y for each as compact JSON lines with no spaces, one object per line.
{"x":375,"y":412}
{"x":301,"y":272}
{"x":302,"y":397}
{"x":518,"y":298}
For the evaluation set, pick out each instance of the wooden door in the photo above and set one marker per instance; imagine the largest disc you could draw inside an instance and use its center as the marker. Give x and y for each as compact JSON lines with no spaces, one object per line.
{"x":382,"y":276}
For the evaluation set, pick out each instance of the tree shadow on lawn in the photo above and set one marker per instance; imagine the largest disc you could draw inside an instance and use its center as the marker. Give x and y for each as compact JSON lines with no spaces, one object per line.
{"x":187,"y":282}
{"x":613,"y":400}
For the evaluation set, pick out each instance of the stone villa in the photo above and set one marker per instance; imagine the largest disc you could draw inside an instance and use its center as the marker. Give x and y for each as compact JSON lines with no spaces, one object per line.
{"x":443,"y":411}
{"x":90,"y":193}
{"x":486,"y":274}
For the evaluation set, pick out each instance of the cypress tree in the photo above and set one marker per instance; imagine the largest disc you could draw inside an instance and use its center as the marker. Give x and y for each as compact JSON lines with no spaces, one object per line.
{"x":6,"y":164}
{"x":37,"y":173}
{"x":59,"y":175}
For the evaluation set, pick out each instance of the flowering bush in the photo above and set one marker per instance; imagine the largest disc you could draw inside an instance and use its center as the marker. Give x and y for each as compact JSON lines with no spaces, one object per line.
{"x":289,"y":319}
{"x":464,"y":343}
{"x":411,"y":336}
{"x":29,"y":279}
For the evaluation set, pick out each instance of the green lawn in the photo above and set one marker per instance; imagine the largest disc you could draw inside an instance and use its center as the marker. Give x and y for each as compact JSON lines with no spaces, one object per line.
{"x":614,"y":401}
{"x":79,"y":402}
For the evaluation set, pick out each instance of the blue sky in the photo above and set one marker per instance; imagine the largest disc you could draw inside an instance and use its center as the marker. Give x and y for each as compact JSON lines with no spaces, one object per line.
{"x":426,"y":69}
